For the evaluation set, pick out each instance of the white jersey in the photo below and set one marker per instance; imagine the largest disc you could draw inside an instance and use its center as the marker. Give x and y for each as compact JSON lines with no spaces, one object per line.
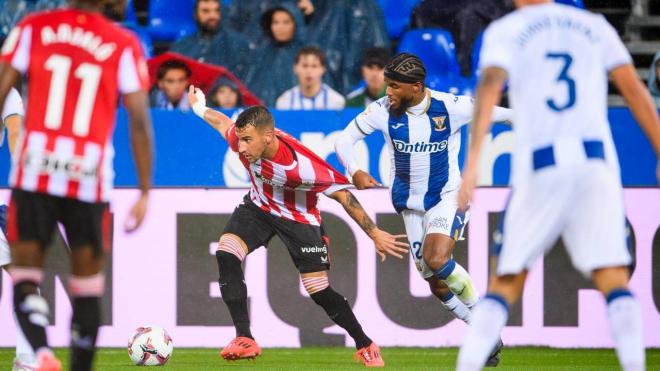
{"x":423,"y":144}
{"x":13,"y":106}
{"x":557,"y":58}
{"x":325,"y":99}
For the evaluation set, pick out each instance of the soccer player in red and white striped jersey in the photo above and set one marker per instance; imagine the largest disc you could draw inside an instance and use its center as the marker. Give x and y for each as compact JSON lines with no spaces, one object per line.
{"x":287,"y":179}
{"x":78,"y":63}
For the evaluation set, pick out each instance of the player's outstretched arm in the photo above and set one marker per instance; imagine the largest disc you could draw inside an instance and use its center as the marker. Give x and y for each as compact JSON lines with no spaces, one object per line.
{"x":345,"y":149}
{"x":488,"y":95}
{"x":137,"y":106}
{"x":641,"y":104}
{"x":386,"y":244}
{"x":218,"y":120}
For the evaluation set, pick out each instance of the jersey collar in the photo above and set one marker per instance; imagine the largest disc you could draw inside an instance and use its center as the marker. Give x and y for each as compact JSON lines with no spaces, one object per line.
{"x":423,"y":106}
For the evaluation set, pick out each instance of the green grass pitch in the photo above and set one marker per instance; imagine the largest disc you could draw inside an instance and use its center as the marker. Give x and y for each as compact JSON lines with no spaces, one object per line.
{"x":313,"y":358}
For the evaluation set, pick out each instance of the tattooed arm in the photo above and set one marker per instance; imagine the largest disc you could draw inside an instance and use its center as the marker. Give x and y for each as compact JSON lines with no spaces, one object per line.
{"x":385,"y":242}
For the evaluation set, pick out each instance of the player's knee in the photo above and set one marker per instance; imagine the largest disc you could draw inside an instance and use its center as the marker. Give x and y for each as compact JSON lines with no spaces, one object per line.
{"x":608,"y":279}
{"x":315,"y":284}
{"x":437,"y":252}
{"x":234,"y":245}
{"x":435,"y":258}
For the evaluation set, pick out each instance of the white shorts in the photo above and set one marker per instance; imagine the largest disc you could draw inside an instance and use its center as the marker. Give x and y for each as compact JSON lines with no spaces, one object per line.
{"x":5,"y":256}
{"x":442,"y":218}
{"x":582,"y":204}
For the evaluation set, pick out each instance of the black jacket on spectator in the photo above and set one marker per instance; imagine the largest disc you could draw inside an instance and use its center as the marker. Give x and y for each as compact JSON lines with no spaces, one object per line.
{"x":271,"y":67}
{"x":344,"y":29}
{"x":244,"y":15}
{"x":226,"y":48}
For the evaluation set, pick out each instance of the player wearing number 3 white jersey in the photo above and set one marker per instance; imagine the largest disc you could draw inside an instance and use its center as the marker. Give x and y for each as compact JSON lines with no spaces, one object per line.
{"x":565,"y":171}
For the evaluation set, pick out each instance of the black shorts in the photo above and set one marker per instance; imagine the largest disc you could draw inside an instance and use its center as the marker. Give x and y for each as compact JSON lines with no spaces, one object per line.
{"x":307,"y":244}
{"x":33,"y":217}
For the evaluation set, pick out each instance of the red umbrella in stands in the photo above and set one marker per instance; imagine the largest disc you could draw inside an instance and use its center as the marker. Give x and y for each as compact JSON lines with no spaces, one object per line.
{"x":203,"y":75}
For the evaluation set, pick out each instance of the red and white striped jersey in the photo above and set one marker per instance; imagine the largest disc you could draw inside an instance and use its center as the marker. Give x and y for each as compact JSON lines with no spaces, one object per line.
{"x":289,"y":185}
{"x":77,"y":64}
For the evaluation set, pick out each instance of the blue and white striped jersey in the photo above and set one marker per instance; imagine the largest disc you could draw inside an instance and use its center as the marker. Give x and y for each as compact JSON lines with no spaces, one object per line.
{"x":423,"y":144}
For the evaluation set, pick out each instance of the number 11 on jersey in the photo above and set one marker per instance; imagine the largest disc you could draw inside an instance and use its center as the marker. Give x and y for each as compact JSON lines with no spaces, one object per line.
{"x":89,"y":74}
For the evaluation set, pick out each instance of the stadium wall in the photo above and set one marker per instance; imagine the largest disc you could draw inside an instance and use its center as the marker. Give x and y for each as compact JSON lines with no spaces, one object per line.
{"x":166,"y":274}
{"x":191,"y":154}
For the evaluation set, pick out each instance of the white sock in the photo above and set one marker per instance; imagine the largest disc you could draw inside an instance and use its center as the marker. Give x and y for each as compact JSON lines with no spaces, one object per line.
{"x":626,"y":327}
{"x":24,"y":352}
{"x":488,"y":320}
{"x":459,"y":282}
{"x":458,"y":309}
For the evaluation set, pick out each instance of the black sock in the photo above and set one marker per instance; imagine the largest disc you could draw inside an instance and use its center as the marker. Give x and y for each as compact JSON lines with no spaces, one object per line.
{"x":234,"y":291}
{"x":32,"y":313}
{"x":341,"y":313}
{"x":84,"y":329}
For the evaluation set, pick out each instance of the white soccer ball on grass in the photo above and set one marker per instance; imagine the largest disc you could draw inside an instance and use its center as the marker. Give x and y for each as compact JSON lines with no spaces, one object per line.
{"x":150,"y":346}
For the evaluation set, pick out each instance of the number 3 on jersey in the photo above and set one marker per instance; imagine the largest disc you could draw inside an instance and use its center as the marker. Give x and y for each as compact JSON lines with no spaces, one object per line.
{"x":89,"y":74}
{"x":563,"y":78}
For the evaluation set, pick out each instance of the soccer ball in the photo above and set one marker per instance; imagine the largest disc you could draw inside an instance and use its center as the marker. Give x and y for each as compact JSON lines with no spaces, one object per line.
{"x":150,"y":346}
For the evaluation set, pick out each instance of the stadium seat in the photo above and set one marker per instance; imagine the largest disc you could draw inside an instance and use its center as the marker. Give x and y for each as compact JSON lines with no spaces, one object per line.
{"x":575,"y":3}
{"x":170,"y":20}
{"x":435,"y":47}
{"x":129,"y":17}
{"x":397,"y":15}
{"x":453,"y":84}
{"x":144,"y":37}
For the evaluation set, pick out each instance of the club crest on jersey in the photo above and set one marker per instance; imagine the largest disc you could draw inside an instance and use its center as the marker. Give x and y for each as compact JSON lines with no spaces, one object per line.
{"x":439,"y":123}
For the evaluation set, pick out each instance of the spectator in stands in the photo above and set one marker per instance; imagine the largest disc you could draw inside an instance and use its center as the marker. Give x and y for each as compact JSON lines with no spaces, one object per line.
{"x":373,"y":67}
{"x":270,"y":74}
{"x":654,"y":78}
{"x":345,"y":28}
{"x":213,"y":43}
{"x":310,"y":93}
{"x":225,"y":94}
{"x":244,"y":14}
{"x":173,"y":80}
{"x":464,"y":19}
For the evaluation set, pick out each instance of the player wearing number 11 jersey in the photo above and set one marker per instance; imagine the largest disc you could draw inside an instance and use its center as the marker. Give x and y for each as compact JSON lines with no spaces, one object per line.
{"x":77,"y":63}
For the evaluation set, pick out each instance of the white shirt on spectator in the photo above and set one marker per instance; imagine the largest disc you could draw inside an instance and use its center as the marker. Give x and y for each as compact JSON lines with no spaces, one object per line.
{"x":325,"y":99}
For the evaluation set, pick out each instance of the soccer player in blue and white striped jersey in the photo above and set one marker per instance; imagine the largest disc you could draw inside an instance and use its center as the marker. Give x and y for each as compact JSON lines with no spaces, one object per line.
{"x":422,"y":132}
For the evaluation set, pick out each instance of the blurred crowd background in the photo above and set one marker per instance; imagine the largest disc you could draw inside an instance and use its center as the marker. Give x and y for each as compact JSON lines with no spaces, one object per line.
{"x":328,"y":54}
